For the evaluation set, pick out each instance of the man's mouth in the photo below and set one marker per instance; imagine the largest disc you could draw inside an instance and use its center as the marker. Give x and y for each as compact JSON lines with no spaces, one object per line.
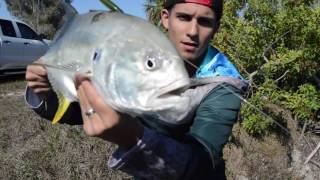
{"x":189,"y":46}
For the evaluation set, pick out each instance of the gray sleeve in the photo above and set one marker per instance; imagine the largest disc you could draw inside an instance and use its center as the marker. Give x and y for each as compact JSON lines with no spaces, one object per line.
{"x":32,"y":99}
{"x":156,"y":156}
{"x":45,"y":109}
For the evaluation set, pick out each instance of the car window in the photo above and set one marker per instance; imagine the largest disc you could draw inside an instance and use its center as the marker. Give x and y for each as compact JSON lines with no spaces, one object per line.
{"x":7,"y":28}
{"x":27,"y":32}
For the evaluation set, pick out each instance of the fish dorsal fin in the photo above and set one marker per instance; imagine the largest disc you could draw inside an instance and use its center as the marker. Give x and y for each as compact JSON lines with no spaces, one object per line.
{"x":70,"y":13}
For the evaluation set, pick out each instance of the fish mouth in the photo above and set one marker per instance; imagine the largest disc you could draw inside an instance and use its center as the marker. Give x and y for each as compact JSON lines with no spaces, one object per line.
{"x":170,"y":104}
{"x":174,"y":89}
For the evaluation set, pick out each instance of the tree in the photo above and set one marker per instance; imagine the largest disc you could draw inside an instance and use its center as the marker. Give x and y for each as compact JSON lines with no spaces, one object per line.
{"x":275,"y":45}
{"x":44,"y":15}
{"x":153,"y":9}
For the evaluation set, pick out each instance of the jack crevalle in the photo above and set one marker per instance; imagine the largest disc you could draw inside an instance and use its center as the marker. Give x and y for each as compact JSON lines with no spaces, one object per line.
{"x":130,"y":62}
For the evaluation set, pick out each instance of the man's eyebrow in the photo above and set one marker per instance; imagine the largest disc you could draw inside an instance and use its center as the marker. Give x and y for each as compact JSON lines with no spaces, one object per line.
{"x":207,"y":18}
{"x":201,"y":17}
{"x":182,"y":14}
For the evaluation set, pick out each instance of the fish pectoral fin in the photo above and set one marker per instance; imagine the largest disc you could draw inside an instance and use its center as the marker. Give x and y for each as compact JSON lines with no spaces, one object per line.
{"x":64,"y":103}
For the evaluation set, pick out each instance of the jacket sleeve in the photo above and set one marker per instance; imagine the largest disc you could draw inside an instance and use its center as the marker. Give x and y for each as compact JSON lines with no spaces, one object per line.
{"x":47,"y":108}
{"x":156,"y":156}
{"x":161,"y":157}
{"x":215,"y":118}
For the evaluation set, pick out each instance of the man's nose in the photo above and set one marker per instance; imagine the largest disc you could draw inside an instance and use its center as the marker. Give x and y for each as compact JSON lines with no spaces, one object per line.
{"x":193,"y":29}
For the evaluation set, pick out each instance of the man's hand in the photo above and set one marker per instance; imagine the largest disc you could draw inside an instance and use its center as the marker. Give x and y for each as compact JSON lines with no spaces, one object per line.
{"x":37,"y":80}
{"x":105,"y":122}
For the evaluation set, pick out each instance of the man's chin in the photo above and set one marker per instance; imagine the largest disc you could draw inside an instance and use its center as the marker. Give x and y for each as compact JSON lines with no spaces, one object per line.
{"x":190,"y":57}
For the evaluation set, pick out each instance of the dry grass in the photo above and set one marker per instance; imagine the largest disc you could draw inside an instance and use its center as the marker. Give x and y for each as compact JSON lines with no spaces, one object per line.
{"x":264,"y":158}
{"x":32,"y":148}
{"x":273,"y":156}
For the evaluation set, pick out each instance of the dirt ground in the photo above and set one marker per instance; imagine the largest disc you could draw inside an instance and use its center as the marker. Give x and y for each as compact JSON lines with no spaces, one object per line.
{"x":274,"y":156}
{"x":32,"y":148}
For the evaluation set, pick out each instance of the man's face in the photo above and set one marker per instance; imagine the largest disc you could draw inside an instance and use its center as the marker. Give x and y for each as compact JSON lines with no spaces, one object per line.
{"x":190,"y":27}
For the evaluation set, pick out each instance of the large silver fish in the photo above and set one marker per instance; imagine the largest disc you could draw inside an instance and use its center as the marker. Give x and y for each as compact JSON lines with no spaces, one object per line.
{"x":130,"y":61}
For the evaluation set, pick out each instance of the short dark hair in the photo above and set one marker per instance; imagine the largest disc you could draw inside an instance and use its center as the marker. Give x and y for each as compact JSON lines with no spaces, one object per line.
{"x":216,"y":5}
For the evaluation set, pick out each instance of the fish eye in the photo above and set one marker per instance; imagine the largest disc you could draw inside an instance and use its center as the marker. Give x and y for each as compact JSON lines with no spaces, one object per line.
{"x":150,"y":63}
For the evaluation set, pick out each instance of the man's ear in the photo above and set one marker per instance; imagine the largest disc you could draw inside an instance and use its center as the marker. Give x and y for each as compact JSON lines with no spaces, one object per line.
{"x":165,"y":18}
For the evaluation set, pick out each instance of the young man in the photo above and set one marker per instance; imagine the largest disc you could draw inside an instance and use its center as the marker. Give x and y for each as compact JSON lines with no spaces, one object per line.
{"x":149,"y":149}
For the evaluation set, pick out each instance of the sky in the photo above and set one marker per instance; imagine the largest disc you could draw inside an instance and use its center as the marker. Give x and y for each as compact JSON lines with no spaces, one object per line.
{"x":135,"y":7}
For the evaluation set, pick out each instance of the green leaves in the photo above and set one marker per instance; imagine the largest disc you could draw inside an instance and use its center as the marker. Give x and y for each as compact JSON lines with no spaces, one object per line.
{"x":304,"y":103}
{"x":275,"y":44}
{"x":256,"y":122}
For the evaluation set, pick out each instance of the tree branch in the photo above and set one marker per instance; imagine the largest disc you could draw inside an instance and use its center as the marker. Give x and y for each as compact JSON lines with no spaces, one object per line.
{"x":315,"y":163}
{"x":303,"y":130}
{"x":282,"y":76}
{"x":251,"y":75}
{"x":312,"y":153}
{"x":270,"y":46}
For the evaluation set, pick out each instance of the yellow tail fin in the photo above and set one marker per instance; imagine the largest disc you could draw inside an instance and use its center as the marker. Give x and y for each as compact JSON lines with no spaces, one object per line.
{"x":62,"y":108}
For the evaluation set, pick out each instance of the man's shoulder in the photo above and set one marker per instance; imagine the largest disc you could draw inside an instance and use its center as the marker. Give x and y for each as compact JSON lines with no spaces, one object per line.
{"x":223,"y":95}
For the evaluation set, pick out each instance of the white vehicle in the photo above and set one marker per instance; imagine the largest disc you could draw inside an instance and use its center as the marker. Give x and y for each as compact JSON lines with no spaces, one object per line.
{"x":19,"y":45}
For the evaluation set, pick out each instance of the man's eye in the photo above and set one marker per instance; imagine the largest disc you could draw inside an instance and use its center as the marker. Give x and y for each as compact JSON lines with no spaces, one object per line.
{"x":184,"y":18}
{"x":206,"y":22}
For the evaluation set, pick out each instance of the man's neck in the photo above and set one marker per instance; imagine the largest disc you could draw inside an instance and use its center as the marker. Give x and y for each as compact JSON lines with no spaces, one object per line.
{"x":192,"y":68}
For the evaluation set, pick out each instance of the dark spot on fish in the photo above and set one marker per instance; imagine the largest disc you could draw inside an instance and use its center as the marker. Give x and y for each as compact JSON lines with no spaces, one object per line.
{"x":96,"y":55}
{"x":97,"y":17}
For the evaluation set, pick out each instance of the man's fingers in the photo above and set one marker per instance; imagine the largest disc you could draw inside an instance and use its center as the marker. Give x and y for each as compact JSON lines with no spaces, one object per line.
{"x":94,"y":98}
{"x":36,"y":76}
{"x":87,"y":126}
{"x":31,"y":76}
{"x":37,"y":69}
{"x":37,"y":79}
{"x":104,"y":117}
{"x":41,"y":90}
{"x":92,"y":124}
{"x":36,"y":72}
{"x":84,"y":105}
{"x":37,"y":84}
{"x":109,"y":118}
